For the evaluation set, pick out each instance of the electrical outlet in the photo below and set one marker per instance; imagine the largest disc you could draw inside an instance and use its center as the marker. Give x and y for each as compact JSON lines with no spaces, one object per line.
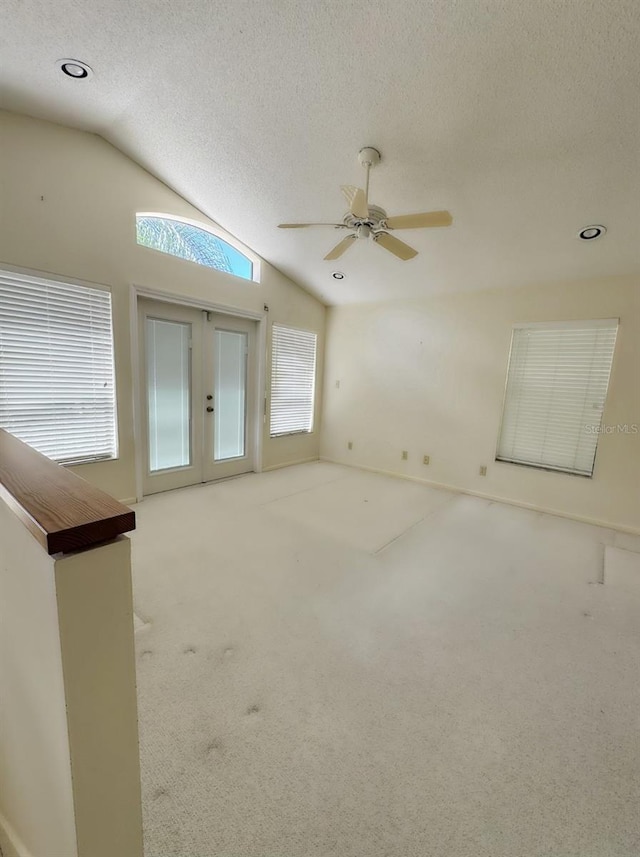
{"x":337,"y":385}
{"x":483,"y":470}
{"x":405,"y":455}
{"x":350,"y":445}
{"x":426,"y":459}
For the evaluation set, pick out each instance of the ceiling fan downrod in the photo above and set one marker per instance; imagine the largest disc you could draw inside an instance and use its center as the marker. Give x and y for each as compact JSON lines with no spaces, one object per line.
{"x":368,"y":157}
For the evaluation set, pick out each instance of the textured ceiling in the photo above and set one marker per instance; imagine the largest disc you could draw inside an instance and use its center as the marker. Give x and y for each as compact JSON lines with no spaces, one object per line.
{"x":521,"y":118}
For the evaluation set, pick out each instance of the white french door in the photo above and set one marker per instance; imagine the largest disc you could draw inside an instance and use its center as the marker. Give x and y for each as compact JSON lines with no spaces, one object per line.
{"x":198,"y":383}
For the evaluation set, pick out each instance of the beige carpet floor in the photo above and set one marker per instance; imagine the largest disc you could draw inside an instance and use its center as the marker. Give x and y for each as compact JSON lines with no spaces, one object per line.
{"x":332,"y":662}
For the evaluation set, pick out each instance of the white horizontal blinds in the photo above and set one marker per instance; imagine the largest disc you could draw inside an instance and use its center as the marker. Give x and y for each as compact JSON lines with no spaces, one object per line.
{"x":556,"y":389}
{"x":57,"y":389}
{"x":293,"y":373}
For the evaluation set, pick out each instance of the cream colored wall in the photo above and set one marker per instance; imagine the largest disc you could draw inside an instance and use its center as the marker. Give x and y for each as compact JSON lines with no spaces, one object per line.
{"x":68,"y":206}
{"x":428,"y":376}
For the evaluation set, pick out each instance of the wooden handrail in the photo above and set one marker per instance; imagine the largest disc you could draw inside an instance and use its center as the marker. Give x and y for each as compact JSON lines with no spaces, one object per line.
{"x":63,"y":511}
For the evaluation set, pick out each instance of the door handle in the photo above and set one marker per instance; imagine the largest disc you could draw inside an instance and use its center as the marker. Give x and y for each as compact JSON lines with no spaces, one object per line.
{"x":209,"y":409}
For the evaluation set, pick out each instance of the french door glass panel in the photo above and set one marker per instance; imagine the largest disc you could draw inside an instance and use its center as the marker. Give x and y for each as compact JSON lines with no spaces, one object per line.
{"x":168,"y":393}
{"x":230,"y":394}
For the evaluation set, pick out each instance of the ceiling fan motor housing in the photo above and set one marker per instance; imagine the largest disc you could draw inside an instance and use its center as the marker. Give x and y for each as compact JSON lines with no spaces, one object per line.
{"x":376,"y":217}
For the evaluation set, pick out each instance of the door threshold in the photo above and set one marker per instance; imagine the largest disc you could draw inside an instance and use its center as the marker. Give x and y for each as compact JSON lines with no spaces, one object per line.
{"x":199,"y":484}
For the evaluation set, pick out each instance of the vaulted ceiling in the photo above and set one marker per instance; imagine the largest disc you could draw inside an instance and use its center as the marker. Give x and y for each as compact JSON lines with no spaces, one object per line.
{"x":521,"y":118}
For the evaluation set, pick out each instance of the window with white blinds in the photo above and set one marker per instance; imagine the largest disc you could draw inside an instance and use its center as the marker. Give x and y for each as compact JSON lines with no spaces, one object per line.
{"x":293,"y":376}
{"x":57,"y":388}
{"x":556,"y":389}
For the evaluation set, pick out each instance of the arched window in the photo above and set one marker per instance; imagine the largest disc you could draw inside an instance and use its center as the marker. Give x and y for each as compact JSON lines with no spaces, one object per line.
{"x":186,"y":241}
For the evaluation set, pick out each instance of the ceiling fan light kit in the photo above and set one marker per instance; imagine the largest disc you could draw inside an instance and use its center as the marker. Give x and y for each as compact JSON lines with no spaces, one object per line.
{"x":366,"y":221}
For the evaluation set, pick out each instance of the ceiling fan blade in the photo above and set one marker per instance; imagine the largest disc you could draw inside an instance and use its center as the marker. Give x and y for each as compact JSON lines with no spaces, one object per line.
{"x":395,"y":246}
{"x":304,"y":225}
{"x":357,"y":200}
{"x":348,"y":191}
{"x":419,"y":221}
{"x":341,"y":248}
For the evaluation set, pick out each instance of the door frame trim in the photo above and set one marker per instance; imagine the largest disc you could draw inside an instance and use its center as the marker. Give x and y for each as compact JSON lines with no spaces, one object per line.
{"x":136,"y":292}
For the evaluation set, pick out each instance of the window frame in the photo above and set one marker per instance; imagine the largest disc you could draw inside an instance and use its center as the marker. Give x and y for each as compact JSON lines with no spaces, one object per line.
{"x":212,"y":229}
{"x":311,"y":430}
{"x":45,"y":278}
{"x":578,"y":324}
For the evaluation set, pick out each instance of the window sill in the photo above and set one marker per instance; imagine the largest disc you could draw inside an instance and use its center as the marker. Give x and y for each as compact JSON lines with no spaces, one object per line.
{"x":546,"y":468}
{"x":97,"y":460}
{"x":291,"y":433}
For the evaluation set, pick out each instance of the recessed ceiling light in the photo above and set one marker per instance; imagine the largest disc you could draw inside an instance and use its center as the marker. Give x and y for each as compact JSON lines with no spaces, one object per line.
{"x":590,"y":233}
{"x":338,"y":275}
{"x":75,"y":68}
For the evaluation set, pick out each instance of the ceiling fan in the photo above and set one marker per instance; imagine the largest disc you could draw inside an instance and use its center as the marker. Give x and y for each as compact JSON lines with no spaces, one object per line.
{"x":370,"y":221}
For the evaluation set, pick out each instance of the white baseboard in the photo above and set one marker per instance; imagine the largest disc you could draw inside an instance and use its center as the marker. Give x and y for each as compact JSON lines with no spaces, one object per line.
{"x":290,"y":463}
{"x":10,"y":842}
{"x":581,"y":519}
{"x":130,"y":501}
